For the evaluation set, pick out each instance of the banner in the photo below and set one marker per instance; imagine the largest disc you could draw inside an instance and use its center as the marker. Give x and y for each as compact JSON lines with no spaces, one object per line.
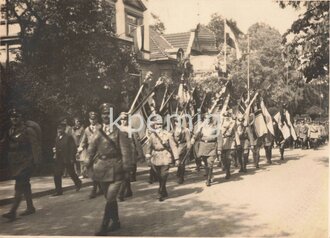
{"x":268,"y":118}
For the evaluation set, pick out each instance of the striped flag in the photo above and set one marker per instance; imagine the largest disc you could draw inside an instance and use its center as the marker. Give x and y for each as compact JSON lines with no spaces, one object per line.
{"x":268,"y":118}
{"x":282,"y":126}
{"x":259,"y":122}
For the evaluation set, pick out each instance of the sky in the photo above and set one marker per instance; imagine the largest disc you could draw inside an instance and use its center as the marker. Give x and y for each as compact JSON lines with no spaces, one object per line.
{"x":184,"y":15}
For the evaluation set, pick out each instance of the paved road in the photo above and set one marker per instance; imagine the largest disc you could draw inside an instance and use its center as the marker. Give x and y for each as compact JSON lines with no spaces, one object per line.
{"x":288,"y":198}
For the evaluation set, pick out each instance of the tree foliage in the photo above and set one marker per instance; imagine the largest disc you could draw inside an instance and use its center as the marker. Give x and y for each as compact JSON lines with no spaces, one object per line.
{"x":216,"y":25}
{"x":70,"y":59}
{"x":157,"y":24}
{"x":307,"y":41}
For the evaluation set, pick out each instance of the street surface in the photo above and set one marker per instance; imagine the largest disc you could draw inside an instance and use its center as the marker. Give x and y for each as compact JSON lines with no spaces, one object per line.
{"x":286,"y":199}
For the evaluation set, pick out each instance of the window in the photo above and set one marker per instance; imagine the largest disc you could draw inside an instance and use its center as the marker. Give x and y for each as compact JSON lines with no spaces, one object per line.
{"x":131,"y":23}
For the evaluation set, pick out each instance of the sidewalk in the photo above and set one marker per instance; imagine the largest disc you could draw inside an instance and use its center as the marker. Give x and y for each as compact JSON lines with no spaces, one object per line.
{"x":42,"y":186}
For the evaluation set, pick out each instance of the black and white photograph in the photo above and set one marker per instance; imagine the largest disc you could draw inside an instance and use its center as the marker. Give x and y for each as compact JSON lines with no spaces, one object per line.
{"x":164,"y":118}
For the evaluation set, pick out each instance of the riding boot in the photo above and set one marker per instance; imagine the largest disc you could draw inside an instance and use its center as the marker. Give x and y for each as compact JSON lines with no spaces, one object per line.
{"x":11,"y":215}
{"x":245,"y":161}
{"x":282,"y":153}
{"x":228,"y":168}
{"x":129,"y":192}
{"x":106,"y":219}
{"x":207,"y":172}
{"x":133,"y":173}
{"x":94,"y":189}
{"x":29,"y":203}
{"x":209,"y":177}
{"x":115,"y":225}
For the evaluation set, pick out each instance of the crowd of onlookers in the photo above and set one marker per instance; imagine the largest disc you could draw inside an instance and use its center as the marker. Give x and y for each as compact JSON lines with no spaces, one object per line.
{"x":311,"y":133}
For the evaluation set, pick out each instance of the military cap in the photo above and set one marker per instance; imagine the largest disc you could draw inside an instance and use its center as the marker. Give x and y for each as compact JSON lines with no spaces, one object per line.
{"x":105,"y":107}
{"x":92,"y":115}
{"x":240,"y":118}
{"x":157,"y":120}
{"x":14,"y":113}
{"x":123,"y":115}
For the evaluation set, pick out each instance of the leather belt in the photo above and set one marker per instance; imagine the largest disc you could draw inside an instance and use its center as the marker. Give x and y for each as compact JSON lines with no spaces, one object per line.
{"x":208,"y":141}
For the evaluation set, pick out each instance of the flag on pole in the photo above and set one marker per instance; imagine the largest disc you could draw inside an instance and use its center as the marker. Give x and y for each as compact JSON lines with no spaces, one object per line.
{"x":268,"y":117}
{"x":282,"y":126}
{"x":292,"y":131}
{"x":259,"y":123}
{"x":232,"y":36}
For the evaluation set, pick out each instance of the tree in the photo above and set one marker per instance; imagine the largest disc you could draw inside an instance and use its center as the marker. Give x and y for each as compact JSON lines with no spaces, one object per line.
{"x":70,"y":60}
{"x":70,"y":57}
{"x":157,"y":25}
{"x":216,"y":25}
{"x":306,"y":43}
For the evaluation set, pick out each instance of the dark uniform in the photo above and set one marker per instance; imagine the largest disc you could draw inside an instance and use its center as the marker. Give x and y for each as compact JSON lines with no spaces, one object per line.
{"x":208,"y":142}
{"x":22,"y":154}
{"x":136,"y":152}
{"x":77,"y":133}
{"x":108,"y":154}
{"x":243,"y":144}
{"x":160,"y":152}
{"x":181,"y":137}
{"x":65,"y":156}
{"x":268,"y":145}
{"x":228,"y":140}
{"x":86,"y":139}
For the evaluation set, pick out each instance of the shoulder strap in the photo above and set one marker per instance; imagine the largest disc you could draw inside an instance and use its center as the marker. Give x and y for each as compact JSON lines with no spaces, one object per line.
{"x":108,"y":139}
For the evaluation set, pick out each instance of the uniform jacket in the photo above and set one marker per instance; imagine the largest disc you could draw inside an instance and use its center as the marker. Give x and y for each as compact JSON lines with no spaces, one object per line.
{"x":245,"y":136}
{"x":77,"y":134}
{"x":65,"y":149}
{"x":181,"y":136}
{"x":314,"y":132}
{"x":208,"y":138}
{"x":88,"y":135}
{"x":22,"y":150}
{"x":229,"y":135}
{"x":109,"y":154}
{"x":162,"y":148}
{"x":303,"y":131}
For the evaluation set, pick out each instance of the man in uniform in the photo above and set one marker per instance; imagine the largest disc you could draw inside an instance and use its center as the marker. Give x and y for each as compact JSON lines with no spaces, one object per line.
{"x":86,"y":139}
{"x":22,"y":155}
{"x":303,"y":134}
{"x":160,"y":152}
{"x":314,"y":135}
{"x":137,"y":153}
{"x":228,"y":141}
{"x":207,"y":135}
{"x":107,"y":155}
{"x":65,"y":156}
{"x":181,"y":136}
{"x":245,"y":137}
{"x":77,"y":133}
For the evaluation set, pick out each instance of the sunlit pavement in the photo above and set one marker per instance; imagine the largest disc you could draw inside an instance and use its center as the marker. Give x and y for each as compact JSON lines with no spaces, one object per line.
{"x":287,"y":198}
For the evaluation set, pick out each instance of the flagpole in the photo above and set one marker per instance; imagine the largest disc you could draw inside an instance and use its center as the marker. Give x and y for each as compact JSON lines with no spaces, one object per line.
{"x":248,"y":68}
{"x":225,"y":44}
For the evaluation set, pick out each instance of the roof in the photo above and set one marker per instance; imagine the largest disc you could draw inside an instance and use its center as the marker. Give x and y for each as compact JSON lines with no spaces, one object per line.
{"x":136,"y":3}
{"x":206,"y":39}
{"x":179,"y":40}
{"x":158,"y":46}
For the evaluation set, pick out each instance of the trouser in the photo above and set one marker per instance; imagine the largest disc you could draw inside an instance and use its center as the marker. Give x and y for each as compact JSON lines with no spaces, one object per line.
{"x":256,"y":156}
{"x":59,"y":172}
{"x":111,"y":212}
{"x":282,"y":146}
{"x":77,"y":167}
{"x":152,"y":175}
{"x":243,"y":156}
{"x":162,"y":174}
{"x":22,"y":187}
{"x":182,"y":167}
{"x":268,"y":152}
{"x":95,"y":186}
{"x":226,"y":156}
{"x":208,"y":162}
{"x":133,"y":172}
{"x":125,"y":187}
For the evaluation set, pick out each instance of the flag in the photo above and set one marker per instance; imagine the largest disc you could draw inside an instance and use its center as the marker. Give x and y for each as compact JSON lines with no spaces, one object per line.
{"x":268,"y":117}
{"x":259,"y":123}
{"x":282,"y":126}
{"x":292,"y":131}
{"x":233,"y":38}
